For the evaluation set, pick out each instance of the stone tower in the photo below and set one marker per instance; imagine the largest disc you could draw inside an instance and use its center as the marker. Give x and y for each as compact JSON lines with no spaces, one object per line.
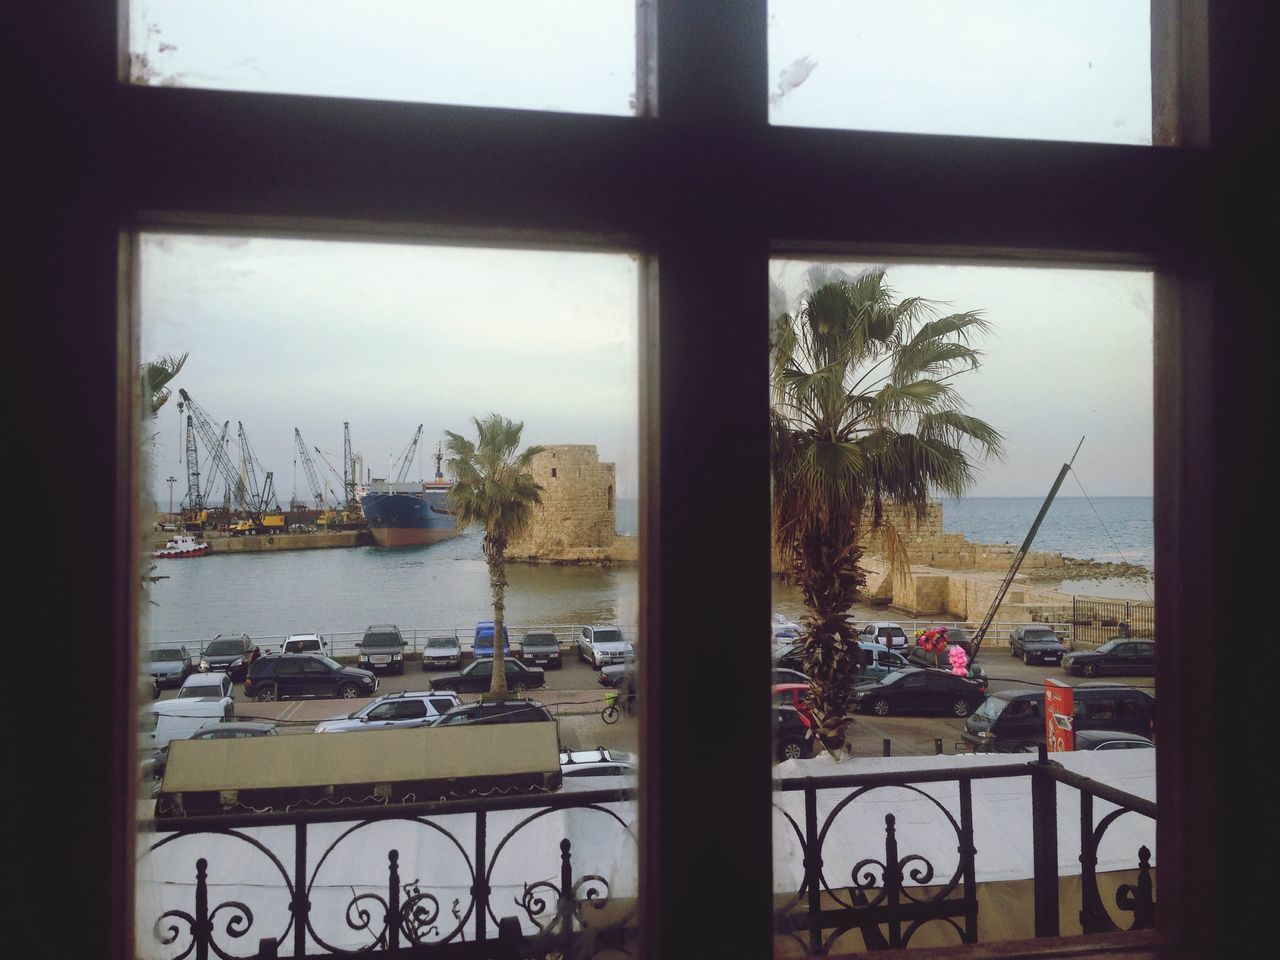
{"x":575,"y":522}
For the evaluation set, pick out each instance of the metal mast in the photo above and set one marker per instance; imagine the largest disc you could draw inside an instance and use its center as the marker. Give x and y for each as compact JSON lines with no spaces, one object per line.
{"x":195,"y":500}
{"x":308,"y":465}
{"x":1022,"y":553}
{"x":349,"y":479}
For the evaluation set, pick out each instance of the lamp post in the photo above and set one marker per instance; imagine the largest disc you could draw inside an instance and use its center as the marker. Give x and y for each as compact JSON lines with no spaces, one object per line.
{"x":171,"y":481}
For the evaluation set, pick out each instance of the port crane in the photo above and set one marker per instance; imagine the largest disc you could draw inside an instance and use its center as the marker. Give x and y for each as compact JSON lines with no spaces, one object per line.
{"x":406,"y":459}
{"x":313,"y":478}
{"x":199,"y":419}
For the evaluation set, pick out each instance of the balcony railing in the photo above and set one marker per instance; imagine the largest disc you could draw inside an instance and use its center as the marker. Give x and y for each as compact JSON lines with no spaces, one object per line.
{"x":446,"y":878}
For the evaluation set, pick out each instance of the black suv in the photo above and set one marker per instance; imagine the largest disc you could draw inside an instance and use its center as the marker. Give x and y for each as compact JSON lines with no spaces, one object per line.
{"x":1013,"y":720}
{"x":382,"y":648}
{"x":286,"y":676}
{"x":1036,"y":641}
{"x":496,"y":711}
{"x":230,"y":653}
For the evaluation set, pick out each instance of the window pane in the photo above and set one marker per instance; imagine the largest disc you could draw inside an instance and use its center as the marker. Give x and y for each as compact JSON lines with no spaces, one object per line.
{"x":328,"y":392}
{"x":1030,"y":69}
{"x":875,"y":390}
{"x":567,"y":55}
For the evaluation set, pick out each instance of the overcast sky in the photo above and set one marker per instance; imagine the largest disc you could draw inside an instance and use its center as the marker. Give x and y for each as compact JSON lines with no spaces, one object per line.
{"x":309,"y":334}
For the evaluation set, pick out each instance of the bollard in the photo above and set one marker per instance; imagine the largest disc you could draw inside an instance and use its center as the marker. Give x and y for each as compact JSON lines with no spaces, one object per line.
{"x":886,"y":746}
{"x":937,"y":745}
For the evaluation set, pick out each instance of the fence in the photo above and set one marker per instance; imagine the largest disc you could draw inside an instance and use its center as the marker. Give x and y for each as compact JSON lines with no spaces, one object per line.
{"x":551,"y":886}
{"x":1096,"y":621}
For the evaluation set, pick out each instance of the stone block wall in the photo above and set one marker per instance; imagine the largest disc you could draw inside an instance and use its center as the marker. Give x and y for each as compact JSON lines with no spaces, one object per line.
{"x":929,"y":545}
{"x":575,"y":521}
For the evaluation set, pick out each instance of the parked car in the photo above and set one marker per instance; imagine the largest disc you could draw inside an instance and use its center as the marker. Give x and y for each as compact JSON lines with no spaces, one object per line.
{"x":597,"y":763}
{"x":1036,"y":642}
{"x":175,"y":719}
{"x":617,"y":674}
{"x":229,"y":652}
{"x":881,"y":660}
{"x":482,"y":645}
{"x":919,"y":690}
{"x":169,"y":665}
{"x":790,"y":658}
{"x":798,"y":695}
{"x":792,"y":734}
{"x":1111,"y":740}
{"x":496,"y":711}
{"x":476,"y":677}
{"x":442,"y":650}
{"x":1013,"y":720}
{"x":305,"y":643}
{"x":397,"y":710}
{"x":920,"y":657}
{"x":381,"y":648}
{"x":603,"y":645}
{"x":289,"y":676}
{"x":780,"y":675}
{"x":887,"y":633}
{"x":1119,"y":655}
{"x":232,"y":730}
{"x":200,"y":685}
{"x":541,"y":647}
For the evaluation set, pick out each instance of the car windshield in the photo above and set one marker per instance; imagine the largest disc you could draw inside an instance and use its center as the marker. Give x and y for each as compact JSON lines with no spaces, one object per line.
{"x":382,"y":640}
{"x":194,"y":688}
{"x":442,"y":642}
{"x":1108,"y":647}
{"x":991,"y":708}
{"x":220,"y":648}
{"x":540,"y":640}
{"x":162,"y":656}
{"x":1039,"y":634}
{"x":608,"y":636}
{"x":329,"y":662}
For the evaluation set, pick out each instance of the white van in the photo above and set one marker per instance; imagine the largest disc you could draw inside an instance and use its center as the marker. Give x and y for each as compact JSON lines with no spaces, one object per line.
{"x":178,"y":719}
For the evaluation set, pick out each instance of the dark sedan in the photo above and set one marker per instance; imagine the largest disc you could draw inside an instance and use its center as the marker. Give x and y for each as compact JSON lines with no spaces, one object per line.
{"x":793,"y":734}
{"x":477,"y":677}
{"x":919,"y":690}
{"x":1119,"y":656}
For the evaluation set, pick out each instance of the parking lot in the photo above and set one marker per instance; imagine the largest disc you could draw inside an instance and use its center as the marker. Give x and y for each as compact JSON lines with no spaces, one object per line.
{"x":576,"y":698}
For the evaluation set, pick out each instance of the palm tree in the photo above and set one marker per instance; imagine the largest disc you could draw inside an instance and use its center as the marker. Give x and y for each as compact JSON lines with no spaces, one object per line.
{"x":493,"y":488}
{"x":156,"y":375}
{"x":863,"y":414}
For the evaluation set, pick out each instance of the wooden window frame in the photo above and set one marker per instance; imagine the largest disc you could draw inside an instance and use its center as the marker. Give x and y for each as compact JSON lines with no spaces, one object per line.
{"x":708,"y":191}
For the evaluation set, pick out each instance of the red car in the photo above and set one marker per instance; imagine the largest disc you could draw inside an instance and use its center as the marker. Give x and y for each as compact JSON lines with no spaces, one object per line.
{"x":797,"y":695}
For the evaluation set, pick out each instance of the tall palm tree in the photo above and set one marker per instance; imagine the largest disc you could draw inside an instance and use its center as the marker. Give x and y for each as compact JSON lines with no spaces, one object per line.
{"x":494,"y":489}
{"x":863,"y":414}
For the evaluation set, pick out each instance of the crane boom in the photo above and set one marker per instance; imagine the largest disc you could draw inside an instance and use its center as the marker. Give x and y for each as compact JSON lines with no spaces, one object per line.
{"x":195,"y":499}
{"x":406,"y":459}
{"x":1022,"y":553}
{"x":221,"y":460}
{"x":309,"y":466}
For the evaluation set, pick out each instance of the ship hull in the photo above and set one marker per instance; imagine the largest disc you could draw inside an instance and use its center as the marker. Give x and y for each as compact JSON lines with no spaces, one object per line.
{"x":403,"y":519}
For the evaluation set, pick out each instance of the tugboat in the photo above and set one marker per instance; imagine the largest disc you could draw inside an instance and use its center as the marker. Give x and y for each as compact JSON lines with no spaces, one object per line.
{"x":180,"y":547}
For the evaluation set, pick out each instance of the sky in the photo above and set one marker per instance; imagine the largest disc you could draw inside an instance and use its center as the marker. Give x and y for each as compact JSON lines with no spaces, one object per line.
{"x":1007,"y":68}
{"x":286,"y":333}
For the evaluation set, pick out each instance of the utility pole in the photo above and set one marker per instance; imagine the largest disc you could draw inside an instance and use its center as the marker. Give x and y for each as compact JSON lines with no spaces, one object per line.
{"x":171,"y":481}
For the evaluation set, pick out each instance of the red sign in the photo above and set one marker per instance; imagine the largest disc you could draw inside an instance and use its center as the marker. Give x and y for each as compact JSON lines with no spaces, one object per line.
{"x":1059,"y":706}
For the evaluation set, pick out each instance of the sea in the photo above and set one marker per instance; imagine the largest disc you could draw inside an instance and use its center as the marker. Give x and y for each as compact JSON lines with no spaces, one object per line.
{"x":446,"y":586}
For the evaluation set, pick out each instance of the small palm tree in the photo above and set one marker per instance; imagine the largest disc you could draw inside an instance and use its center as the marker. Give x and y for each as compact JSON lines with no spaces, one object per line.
{"x":494,"y":489}
{"x":863,"y":414}
{"x":156,"y":375}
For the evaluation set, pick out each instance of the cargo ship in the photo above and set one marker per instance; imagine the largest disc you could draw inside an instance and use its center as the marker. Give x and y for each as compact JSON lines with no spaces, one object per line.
{"x":405,"y":514}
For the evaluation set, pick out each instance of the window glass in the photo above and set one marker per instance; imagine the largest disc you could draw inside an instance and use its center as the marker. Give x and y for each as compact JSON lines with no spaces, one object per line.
{"x":882,"y":373}
{"x":330,"y":388}
{"x":997,"y":68}
{"x":566,"y":55}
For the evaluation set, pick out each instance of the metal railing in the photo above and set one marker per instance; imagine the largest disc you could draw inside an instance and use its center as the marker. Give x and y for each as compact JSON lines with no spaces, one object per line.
{"x":569,"y":903}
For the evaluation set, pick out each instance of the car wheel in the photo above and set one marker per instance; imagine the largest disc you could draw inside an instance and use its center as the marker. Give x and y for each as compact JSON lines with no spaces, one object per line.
{"x":791,"y":749}
{"x":1026,"y":658}
{"x":880,"y":706}
{"x":267,"y":694}
{"x":348,"y":691}
{"x":960,"y":707}
{"x":1089,"y":669}
{"x":520,"y":687}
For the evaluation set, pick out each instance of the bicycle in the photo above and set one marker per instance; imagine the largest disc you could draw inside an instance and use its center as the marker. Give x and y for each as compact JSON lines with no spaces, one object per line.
{"x":613,"y":709}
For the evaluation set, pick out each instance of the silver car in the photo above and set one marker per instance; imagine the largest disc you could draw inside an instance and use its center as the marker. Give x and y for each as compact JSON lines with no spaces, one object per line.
{"x":396,"y":711}
{"x":170,"y":665}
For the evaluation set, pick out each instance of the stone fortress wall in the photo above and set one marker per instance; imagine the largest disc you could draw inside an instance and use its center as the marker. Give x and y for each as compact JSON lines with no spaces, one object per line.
{"x":575,"y":521}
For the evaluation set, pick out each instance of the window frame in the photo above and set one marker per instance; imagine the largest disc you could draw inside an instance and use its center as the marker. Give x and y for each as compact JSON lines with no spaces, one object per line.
{"x":99,"y":161}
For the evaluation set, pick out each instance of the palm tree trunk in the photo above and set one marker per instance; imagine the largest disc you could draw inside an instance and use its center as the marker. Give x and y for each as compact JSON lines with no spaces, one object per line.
{"x":496,"y":557}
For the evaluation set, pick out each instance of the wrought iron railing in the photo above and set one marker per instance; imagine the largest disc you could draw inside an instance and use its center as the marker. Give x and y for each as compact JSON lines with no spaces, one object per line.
{"x":445,"y":885}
